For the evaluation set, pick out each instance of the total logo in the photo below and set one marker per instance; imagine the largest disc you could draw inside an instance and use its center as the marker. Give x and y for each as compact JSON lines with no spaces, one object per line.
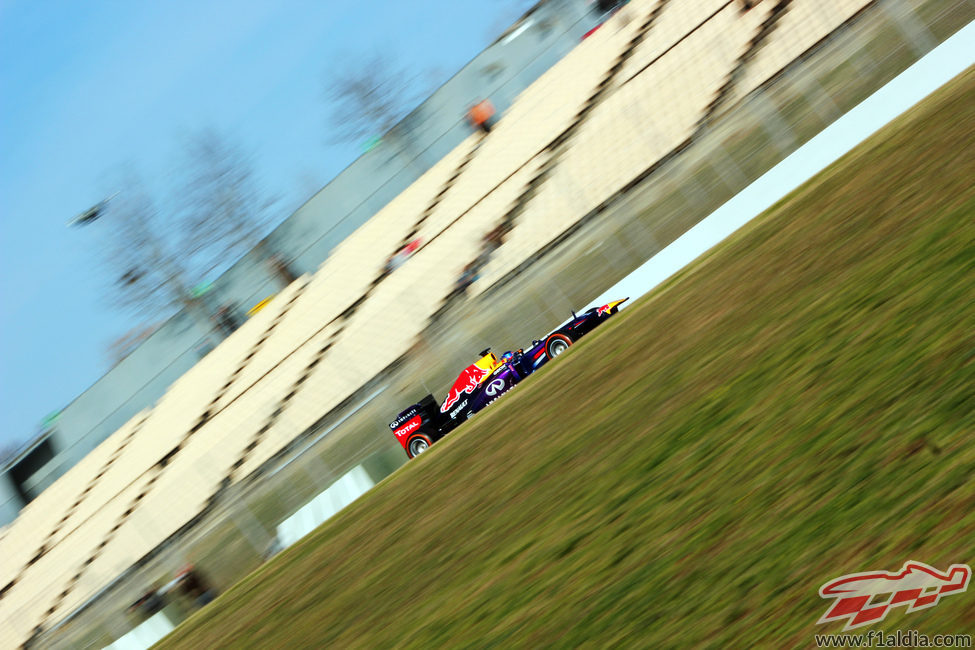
{"x":409,"y":427}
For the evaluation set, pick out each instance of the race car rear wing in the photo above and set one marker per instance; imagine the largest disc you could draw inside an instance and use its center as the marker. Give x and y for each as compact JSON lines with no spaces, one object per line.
{"x":422,"y":417}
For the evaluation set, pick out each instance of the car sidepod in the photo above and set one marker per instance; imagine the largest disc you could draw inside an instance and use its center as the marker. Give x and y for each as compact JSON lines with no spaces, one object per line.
{"x":503,"y":379}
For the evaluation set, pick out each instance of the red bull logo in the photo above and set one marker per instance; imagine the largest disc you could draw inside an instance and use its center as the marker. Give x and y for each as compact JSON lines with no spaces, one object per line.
{"x":865,"y":598}
{"x":469,"y":379}
{"x":607,"y":309}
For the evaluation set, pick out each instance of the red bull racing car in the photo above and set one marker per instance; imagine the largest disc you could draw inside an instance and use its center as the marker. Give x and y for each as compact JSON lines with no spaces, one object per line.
{"x":485,"y":380}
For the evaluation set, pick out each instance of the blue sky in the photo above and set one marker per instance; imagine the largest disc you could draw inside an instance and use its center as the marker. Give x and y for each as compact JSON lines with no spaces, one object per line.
{"x":86,"y":87}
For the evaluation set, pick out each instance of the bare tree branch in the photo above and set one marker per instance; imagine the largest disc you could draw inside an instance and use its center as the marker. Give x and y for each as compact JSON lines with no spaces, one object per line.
{"x":148,"y":273}
{"x":221,"y":211}
{"x":370,"y":97}
{"x":157,"y":250}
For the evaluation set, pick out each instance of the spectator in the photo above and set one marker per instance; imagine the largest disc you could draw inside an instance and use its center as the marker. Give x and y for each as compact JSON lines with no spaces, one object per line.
{"x":481,"y":115}
{"x":227,"y":319}
{"x":193,"y":585}
{"x":148,"y":603}
{"x":396,"y":260}
{"x":494,"y":239}
{"x":467,"y":277}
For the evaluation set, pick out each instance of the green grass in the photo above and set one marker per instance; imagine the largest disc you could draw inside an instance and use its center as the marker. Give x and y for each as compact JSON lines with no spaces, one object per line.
{"x":796,"y":406}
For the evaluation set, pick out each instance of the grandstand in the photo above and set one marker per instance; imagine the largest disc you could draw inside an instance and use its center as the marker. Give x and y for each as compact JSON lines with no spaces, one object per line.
{"x":567,"y":145}
{"x":538,"y":40}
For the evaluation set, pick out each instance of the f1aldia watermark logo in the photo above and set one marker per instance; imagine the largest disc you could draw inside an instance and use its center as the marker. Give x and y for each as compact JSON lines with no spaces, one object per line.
{"x":865,"y":598}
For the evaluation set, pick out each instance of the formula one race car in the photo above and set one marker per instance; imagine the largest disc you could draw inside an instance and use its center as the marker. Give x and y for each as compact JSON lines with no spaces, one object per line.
{"x":485,"y":380}
{"x":478,"y":385}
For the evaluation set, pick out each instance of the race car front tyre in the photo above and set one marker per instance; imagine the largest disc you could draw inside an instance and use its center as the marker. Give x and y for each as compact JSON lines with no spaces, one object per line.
{"x":556,"y":345}
{"x":417,"y":445}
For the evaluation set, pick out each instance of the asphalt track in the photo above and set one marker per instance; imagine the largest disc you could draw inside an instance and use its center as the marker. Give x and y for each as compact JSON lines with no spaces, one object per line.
{"x":932,"y":71}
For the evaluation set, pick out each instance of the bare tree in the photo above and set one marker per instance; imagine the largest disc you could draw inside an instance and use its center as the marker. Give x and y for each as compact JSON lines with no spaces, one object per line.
{"x":159,"y":247}
{"x":221,"y":209}
{"x":149,"y":275}
{"x":372,"y":99}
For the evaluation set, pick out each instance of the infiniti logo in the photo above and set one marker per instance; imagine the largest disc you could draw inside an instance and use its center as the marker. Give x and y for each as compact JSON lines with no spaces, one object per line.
{"x":495,"y":386}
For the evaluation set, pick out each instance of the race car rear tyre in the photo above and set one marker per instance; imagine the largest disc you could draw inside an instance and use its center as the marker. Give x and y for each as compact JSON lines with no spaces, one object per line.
{"x":556,"y":345}
{"x":417,"y":445}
